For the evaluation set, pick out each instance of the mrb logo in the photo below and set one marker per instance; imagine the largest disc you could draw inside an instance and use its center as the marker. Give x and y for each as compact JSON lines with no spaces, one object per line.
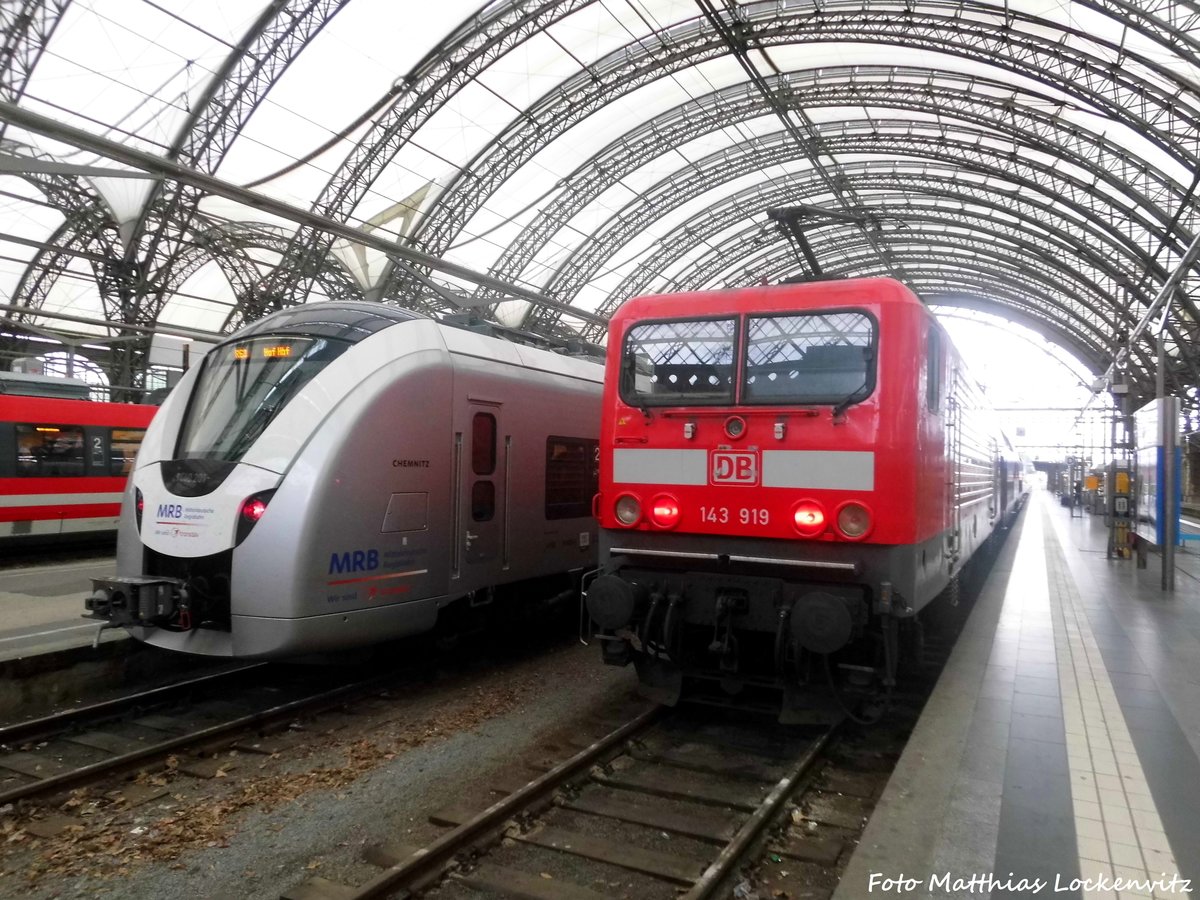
{"x":354,"y":561}
{"x":733,"y":467}
{"x":170,"y":511}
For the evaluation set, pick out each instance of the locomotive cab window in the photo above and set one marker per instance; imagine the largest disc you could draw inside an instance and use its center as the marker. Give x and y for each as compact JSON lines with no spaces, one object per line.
{"x":683,"y":363}
{"x":826,"y":357}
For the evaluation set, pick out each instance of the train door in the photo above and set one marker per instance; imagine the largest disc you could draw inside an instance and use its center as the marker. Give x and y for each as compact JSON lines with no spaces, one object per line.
{"x":483,"y":501}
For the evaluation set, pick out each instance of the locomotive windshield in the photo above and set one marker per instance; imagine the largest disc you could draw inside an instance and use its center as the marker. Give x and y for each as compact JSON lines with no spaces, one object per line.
{"x":786,"y":358}
{"x":243,"y":387}
{"x":809,"y":358}
{"x":680,"y":363}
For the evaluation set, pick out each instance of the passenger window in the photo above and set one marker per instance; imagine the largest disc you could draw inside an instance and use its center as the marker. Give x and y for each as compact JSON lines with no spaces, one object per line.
{"x":45,"y":451}
{"x":483,"y":501}
{"x":124,"y":448}
{"x":572,"y":477}
{"x":483,"y":444}
{"x":933,"y":371}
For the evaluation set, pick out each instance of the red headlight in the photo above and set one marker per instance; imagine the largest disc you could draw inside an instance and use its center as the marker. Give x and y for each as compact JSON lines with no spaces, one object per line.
{"x":628,"y":510}
{"x":809,"y":518}
{"x":253,"y":509}
{"x":664,"y":511}
{"x":853,"y":520}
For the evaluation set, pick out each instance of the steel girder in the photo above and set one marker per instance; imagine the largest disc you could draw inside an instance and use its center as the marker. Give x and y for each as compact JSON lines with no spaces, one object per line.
{"x":278,"y":36}
{"x":1016,"y":215}
{"x":965,"y":147}
{"x":443,"y":73}
{"x":921,"y":91}
{"x":27,"y":26}
{"x":932,"y":279}
{"x":1070,"y":291}
{"x":965,"y":250}
{"x":997,"y":277}
{"x":140,"y":275}
{"x":1156,"y":109}
{"x":706,"y":270}
{"x":581,"y":267}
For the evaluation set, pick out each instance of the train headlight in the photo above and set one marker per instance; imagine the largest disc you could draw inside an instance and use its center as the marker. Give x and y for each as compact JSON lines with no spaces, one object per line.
{"x":735,"y":427}
{"x":629,"y":510}
{"x":664,"y":511}
{"x":853,"y":520}
{"x":139,"y":503}
{"x":809,"y":518}
{"x":253,"y":508}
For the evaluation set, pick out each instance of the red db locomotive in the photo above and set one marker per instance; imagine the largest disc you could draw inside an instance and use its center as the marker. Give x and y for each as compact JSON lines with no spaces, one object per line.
{"x":788,"y":475}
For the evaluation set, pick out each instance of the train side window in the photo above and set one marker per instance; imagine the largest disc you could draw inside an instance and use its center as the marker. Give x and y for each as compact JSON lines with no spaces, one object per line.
{"x":933,"y":370}
{"x":123,"y":449}
{"x":483,"y":501}
{"x":483,"y":444}
{"x":45,"y":451}
{"x":572,"y":476}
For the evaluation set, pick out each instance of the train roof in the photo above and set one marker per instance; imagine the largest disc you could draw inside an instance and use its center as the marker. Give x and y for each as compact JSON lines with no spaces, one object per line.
{"x":848,"y":292}
{"x":26,"y":385}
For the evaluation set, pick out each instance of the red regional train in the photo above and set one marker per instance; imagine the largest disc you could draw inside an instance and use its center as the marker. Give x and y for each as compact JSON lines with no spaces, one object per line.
{"x":63,"y":465}
{"x":789,"y":475}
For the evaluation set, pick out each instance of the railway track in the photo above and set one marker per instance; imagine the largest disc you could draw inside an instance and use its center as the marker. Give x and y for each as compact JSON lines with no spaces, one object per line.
{"x":664,"y":805}
{"x":45,"y":756}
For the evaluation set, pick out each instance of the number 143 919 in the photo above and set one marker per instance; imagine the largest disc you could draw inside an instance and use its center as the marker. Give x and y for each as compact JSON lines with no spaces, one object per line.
{"x":723,"y":515}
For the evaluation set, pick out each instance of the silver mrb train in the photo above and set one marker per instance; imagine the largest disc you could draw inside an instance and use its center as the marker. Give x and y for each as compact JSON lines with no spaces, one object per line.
{"x":336,"y":474}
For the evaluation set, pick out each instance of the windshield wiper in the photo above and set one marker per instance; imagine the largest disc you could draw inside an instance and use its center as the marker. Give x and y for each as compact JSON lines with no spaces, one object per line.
{"x":844,"y":404}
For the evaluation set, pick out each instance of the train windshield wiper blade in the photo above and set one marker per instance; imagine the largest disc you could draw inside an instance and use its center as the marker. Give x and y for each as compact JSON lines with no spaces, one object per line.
{"x":844,"y":403}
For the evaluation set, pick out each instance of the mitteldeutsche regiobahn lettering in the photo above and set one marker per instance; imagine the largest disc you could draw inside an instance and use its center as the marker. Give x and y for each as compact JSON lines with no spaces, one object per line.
{"x":986,"y":882}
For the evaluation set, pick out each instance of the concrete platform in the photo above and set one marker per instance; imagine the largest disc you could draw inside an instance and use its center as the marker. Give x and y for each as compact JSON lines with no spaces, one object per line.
{"x":41,"y":607}
{"x":1059,"y":755}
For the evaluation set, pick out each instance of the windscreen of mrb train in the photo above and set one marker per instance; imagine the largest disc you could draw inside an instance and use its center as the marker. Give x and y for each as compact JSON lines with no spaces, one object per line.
{"x":788,"y":358}
{"x":246,"y":383}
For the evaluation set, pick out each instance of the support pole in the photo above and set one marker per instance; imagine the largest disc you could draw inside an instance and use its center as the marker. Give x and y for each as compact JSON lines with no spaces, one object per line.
{"x":1169,"y":423}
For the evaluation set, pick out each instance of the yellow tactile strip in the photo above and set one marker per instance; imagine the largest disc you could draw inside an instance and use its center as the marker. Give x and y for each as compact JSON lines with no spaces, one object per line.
{"x":1120,"y":835}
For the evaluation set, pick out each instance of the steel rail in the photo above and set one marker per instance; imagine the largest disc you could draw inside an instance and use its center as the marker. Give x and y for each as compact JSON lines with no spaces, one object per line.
{"x":425,"y":861}
{"x":127,"y":760}
{"x":20,"y":731}
{"x":715,"y":875}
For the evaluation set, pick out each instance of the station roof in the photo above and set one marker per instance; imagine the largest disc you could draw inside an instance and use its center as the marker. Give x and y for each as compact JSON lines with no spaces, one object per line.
{"x":1038,"y":160}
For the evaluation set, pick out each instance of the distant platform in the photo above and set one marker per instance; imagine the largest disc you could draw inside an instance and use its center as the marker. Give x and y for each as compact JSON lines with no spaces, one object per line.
{"x":41,"y":607}
{"x":1059,"y":755}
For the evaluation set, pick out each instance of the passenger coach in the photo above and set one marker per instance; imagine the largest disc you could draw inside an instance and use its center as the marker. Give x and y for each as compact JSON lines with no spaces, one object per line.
{"x":63,"y":465}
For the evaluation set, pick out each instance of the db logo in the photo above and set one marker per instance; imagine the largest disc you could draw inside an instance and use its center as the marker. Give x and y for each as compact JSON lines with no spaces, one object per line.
{"x":733,"y":467}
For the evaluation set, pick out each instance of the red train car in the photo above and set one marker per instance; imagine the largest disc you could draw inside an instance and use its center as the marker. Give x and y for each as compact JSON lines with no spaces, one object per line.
{"x":788,"y":476}
{"x":63,"y":465}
